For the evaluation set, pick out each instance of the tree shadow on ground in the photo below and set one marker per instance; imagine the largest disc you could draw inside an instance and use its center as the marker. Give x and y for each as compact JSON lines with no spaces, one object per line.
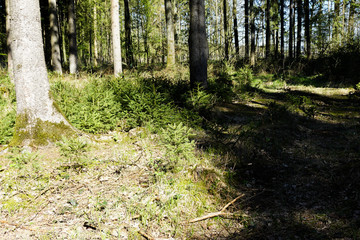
{"x":302,"y":173}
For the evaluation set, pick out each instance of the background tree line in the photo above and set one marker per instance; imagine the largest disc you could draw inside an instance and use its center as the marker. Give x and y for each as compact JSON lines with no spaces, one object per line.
{"x":237,"y":30}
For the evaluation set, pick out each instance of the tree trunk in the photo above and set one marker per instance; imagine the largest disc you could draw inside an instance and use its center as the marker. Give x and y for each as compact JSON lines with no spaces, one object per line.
{"x":236,"y":32}
{"x":336,"y":22}
{"x":96,"y":53}
{"x":307,"y":28}
{"x":282,"y":29}
{"x":351,"y":23}
{"x":267,"y":16}
{"x":226,"y":30}
{"x":246,"y":3}
{"x":38,"y":120}
{"x":252,"y":29}
{"x":115,"y":30}
{"x":55,"y":41}
{"x":291,"y":28}
{"x":198,"y":46}
{"x":170,"y":34}
{"x":128,"y":42}
{"x":73,"y":51}
{"x":299,"y":17}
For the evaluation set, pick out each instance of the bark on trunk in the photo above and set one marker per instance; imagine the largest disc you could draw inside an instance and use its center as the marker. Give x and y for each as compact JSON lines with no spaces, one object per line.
{"x":55,"y":41}
{"x":246,"y":3}
{"x":236,"y":32}
{"x":252,"y":29}
{"x":38,"y":120}
{"x":299,"y":18}
{"x":291,"y":28}
{"x":307,"y":28}
{"x":198,"y":46}
{"x":128,"y":40}
{"x":170,"y":33}
{"x":115,"y":30}
{"x":73,"y":51}
{"x":282,"y":29}
{"x":267,"y":44}
{"x":226,"y":30}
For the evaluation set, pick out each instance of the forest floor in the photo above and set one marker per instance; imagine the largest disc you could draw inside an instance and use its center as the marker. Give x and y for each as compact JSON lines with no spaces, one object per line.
{"x":294,"y":174}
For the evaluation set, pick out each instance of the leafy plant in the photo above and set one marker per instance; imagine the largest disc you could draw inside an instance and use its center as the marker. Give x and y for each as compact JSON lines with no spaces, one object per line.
{"x":19,"y":160}
{"x":73,"y":148}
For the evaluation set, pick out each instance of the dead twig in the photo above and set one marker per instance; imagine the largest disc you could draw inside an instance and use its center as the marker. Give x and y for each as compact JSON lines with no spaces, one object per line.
{"x":216,"y":214}
{"x":145,"y":235}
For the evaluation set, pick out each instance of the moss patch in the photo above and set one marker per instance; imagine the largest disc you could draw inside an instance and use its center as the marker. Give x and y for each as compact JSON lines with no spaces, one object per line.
{"x":42,"y":133}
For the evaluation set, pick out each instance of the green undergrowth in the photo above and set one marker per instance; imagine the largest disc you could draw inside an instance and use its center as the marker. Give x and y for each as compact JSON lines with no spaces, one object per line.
{"x":160,"y":154}
{"x":7,"y":109}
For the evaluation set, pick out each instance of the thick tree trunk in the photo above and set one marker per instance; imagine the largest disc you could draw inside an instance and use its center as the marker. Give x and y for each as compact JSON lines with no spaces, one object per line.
{"x":252,"y":29}
{"x":299,"y":18}
{"x":307,"y":28}
{"x":38,"y":120}
{"x":226,"y":30}
{"x":236,"y":32}
{"x":115,"y":30}
{"x":128,"y":42}
{"x":246,"y":3}
{"x":73,"y":51}
{"x":55,"y":41}
{"x":170,"y":34}
{"x":267,"y":16}
{"x":198,"y":45}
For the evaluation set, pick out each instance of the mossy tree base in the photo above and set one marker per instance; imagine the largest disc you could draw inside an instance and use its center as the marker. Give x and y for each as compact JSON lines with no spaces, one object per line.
{"x":38,"y":132}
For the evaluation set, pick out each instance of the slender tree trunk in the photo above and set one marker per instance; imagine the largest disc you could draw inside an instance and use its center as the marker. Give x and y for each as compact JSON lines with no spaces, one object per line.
{"x":299,"y":18}
{"x":96,"y":53}
{"x":55,"y":41}
{"x":73,"y":51}
{"x":236,"y":32}
{"x":282,"y":29}
{"x":128,"y":41}
{"x":252,"y":29}
{"x":267,"y":16}
{"x":307,"y":29}
{"x":291,"y":28}
{"x":115,"y":30}
{"x":336,"y":22}
{"x":216,"y":31}
{"x":38,"y":120}
{"x":198,"y":45}
{"x":226,"y":30}
{"x":170,"y":34}
{"x":246,"y":3}
{"x":351,"y":23}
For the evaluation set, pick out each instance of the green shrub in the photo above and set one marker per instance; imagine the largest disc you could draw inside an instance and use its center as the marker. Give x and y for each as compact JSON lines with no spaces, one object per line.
{"x":176,"y":140}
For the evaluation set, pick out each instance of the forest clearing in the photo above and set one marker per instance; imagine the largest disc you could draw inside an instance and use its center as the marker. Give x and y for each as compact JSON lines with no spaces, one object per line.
{"x":176,"y":119}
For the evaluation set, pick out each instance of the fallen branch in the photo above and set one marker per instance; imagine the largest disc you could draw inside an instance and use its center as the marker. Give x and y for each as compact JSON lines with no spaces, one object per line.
{"x":216,"y":214}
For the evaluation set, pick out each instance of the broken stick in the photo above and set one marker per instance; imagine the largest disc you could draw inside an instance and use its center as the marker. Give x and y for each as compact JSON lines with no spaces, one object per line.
{"x":216,"y":214}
